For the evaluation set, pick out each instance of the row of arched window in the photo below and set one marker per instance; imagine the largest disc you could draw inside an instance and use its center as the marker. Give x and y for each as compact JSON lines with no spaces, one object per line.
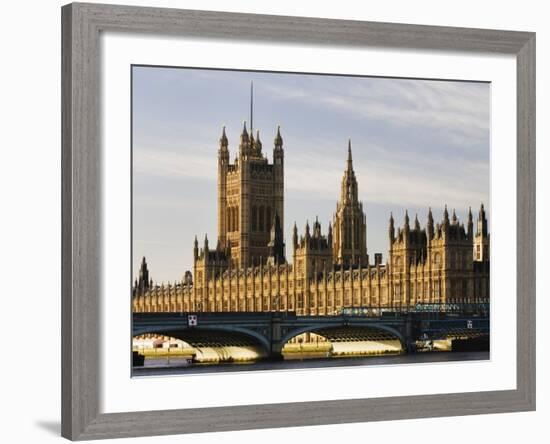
{"x":347,"y":234}
{"x":233,"y":218}
{"x":261,"y":218}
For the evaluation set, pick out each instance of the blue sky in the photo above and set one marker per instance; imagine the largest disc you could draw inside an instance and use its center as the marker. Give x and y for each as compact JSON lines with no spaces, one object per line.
{"x":416,"y":143}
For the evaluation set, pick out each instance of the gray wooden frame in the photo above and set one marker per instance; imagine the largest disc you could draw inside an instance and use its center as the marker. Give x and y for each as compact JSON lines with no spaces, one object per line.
{"x":81,"y":172}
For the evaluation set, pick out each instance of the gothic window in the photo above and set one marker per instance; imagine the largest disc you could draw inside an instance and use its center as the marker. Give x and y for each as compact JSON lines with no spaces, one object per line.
{"x":397,"y":263}
{"x":383,"y":294}
{"x":237,"y":218}
{"x":437,"y":260}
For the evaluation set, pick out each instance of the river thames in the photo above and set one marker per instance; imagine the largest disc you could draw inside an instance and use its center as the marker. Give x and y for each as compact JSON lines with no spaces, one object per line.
{"x":180,"y":366}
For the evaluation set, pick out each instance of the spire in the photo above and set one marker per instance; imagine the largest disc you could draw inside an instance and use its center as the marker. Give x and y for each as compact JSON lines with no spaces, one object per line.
{"x":295,"y":236}
{"x":446,"y":215}
{"x":470,"y":224}
{"x":258,"y":144}
{"x":350,"y":160}
{"x":329,"y":235}
{"x":317,"y":228}
{"x":454,"y":219}
{"x":223,"y":139}
{"x":307,"y":229}
{"x":143,"y":282}
{"x":349,"y":182}
{"x":251,"y":107}
{"x":196,"y":248}
{"x":430,"y":224}
{"x":278,"y":139}
{"x":482,"y":228}
{"x":391,"y":229}
{"x":244,"y":135}
{"x":205,"y":243}
{"x":416,"y":222}
{"x":406,"y":219}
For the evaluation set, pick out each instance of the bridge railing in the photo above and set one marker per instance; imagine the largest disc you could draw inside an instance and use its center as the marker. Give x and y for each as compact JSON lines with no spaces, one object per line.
{"x":447,"y":309}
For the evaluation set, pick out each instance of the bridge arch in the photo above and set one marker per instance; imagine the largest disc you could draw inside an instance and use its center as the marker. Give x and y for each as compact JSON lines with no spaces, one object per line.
{"x":318,"y":327}
{"x":181,"y":332}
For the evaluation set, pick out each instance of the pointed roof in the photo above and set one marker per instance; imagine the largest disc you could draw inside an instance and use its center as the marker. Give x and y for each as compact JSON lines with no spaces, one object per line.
{"x":350,"y":159}
{"x":223,"y":139}
{"x":430,"y":216}
{"x":278,"y":139}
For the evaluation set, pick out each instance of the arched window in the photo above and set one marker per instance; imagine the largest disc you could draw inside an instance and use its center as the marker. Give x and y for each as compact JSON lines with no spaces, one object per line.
{"x":228,"y":219}
{"x":397,"y":263}
{"x":437,"y":260}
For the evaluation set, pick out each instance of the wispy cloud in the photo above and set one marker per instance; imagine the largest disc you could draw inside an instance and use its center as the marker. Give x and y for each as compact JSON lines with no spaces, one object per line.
{"x":461,"y":110}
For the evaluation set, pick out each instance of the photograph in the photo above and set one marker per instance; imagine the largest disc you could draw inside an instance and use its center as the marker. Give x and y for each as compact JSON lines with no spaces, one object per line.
{"x":297,"y":220}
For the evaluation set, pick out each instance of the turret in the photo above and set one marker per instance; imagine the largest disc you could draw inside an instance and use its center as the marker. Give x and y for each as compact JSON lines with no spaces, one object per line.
{"x":445,"y":217}
{"x":245,"y":141}
{"x":470,"y":224}
{"x":416,"y":223}
{"x":196,"y":248}
{"x":224,"y":143}
{"x":316,"y":228}
{"x":391,"y":230}
{"x":481,"y":238}
{"x":258,"y":144}
{"x":430,"y":224}
{"x":278,"y":142}
{"x":143,"y":282}
{"x":482,"y":222}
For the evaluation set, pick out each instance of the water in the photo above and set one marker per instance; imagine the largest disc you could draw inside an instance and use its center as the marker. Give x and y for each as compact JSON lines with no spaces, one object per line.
{"x":180,"y":366}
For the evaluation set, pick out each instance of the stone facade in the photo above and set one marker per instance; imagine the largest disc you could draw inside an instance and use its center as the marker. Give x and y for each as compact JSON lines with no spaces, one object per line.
{"x":248,"y":271}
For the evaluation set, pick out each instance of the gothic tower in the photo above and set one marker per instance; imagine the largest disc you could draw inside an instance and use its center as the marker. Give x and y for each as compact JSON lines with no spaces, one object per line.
{"x":481,"y":238}
{"x":349,"y":227}
{"x":250,"y":195}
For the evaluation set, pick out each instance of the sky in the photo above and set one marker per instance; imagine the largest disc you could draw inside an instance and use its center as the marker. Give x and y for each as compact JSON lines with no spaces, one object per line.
{"x":416,"y":144}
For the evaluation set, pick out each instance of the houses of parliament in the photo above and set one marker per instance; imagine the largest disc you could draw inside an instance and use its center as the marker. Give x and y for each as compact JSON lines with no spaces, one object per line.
{"x":249,"y":269}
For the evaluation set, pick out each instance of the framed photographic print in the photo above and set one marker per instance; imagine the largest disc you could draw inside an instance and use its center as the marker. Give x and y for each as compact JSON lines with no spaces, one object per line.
{"x":308,"y":214}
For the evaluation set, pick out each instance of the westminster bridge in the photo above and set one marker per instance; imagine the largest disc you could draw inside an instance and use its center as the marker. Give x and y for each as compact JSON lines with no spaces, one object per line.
{"x":272,"y":330}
